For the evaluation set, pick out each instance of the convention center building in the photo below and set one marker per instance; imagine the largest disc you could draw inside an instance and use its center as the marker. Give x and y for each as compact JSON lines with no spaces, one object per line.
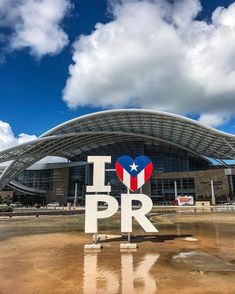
{"x":189,"y":158}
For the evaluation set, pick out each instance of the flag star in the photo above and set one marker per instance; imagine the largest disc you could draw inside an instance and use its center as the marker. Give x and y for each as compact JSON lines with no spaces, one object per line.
{"x":133,"y":166}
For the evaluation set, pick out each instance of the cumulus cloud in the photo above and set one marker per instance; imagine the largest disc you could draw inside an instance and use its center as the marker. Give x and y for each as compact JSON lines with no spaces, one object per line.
{"x":8,"y":139}
{"x":214,"y":119}
{"x":35,"y":24}
{"x":157,"y":54}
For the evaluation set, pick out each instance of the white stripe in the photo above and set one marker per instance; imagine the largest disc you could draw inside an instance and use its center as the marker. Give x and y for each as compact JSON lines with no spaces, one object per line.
{"x":126,"y":179}
{"x":140,"y":178}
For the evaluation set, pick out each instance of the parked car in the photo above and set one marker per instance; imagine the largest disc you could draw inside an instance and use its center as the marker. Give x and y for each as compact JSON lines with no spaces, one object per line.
{"x":230,"y":203}
{"x":174,"y":202}
{"x":53,"y":204}
{"x":16,"y":205}
{"x":37,"y":205}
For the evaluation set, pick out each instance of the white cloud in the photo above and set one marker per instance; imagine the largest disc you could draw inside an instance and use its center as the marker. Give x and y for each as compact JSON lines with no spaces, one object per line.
{"x":155,"y":54}
{"x":214,"y":119}
{"x":8,"y":139}
{"x":23,"y":138}
{"x":35,"y":24}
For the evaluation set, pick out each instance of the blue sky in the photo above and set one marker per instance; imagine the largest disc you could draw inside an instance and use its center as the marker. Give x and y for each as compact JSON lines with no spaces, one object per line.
{"x":32,"y":82}
{"x":31,"y":89}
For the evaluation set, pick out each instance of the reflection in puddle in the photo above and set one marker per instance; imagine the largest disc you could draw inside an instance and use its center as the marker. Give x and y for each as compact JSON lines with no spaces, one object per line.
{"x":36,"y":258}
{"x":92,"y":274}
{"x":132,"y":277}
{"x":197,"y":260}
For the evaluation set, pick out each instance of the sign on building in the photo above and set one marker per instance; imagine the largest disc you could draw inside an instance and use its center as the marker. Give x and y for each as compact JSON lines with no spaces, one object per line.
{"x":185,"y":200}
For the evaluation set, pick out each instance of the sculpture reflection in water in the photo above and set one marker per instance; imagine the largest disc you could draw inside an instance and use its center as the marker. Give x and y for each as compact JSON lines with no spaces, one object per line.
{"x":126,"y":277}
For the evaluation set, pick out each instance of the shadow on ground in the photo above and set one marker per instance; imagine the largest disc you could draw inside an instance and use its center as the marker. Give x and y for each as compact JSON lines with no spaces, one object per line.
{"x":148,"y":238}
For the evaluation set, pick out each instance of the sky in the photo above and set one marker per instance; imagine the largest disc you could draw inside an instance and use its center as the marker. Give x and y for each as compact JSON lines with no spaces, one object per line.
{"x":60,"y":59}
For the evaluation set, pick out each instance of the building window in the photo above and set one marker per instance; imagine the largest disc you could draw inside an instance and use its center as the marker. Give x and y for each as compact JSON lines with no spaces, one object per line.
{"x":164,"y":189}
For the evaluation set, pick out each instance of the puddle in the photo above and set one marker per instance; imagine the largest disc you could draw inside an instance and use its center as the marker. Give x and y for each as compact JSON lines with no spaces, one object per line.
{"x":196,"y":260}
{"x":46,"y":255}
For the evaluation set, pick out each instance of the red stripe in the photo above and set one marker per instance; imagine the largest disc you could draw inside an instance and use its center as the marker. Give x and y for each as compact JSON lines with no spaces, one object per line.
{"x":148,"y":172}
{"x":119,"y":170}
{"x":134,"y":186}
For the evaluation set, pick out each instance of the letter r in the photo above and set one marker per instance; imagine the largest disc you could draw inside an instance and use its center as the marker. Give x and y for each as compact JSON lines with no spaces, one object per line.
{"x":139,"y":214}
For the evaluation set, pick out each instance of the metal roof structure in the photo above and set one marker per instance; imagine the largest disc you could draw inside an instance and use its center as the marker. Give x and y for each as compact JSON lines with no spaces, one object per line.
{"x":109,"y":127}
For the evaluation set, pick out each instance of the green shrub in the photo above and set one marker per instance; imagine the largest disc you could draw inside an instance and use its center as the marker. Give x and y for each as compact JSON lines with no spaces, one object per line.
{"x":5,"y":208}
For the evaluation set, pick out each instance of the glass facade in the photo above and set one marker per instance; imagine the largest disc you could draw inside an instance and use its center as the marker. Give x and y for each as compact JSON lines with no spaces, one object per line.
{"x":38,"y":179}
{"x":164,"y":189}
{"x":165,"y":158}
{"x":78,"y":175}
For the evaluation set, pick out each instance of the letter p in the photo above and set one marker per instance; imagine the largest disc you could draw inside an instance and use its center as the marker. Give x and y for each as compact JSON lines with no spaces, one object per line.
{"x":92,"y":213}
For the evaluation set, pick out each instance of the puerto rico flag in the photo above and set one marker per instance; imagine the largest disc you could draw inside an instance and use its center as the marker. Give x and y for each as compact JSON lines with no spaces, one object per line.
{"x":134,"y":173}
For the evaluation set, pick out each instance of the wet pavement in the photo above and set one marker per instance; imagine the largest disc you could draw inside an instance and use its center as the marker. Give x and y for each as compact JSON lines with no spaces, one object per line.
{"x":189,"y":255}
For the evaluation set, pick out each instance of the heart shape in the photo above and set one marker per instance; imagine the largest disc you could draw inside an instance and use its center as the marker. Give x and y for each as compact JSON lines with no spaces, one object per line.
{"x":134,"y":173}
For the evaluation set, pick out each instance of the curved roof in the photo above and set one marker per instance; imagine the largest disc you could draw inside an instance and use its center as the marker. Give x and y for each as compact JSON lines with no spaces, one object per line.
{"x":107,"y":127}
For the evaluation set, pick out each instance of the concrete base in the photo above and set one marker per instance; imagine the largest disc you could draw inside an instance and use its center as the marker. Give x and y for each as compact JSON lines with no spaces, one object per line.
{"x":128,"y":246}
{"x":92,"y":246}
{"x":190,"y":239}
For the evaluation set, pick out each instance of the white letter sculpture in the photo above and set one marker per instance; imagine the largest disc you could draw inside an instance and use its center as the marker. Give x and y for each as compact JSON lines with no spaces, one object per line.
{"x":98,"y":174}
{"x":92,"y":213}
{"x":138,"y":214}
{"x":133,"y":173}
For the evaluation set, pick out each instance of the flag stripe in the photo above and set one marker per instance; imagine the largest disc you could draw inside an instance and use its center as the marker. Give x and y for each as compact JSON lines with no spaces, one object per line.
{"x":133,"y":184}
{"x":141,"y":178}
{"x":126,"y":178}
{"x":148,"y":171}
{"x":119,"y":170}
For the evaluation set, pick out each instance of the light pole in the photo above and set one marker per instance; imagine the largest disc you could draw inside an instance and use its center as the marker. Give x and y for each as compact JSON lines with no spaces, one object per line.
{"x":212,"y":193}
{"x":75,"y":195}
